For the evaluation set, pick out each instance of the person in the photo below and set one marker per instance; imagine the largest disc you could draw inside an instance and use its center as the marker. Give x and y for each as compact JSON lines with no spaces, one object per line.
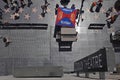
{"x":108,"y":12}
{"x":56,"y":9}
{"x":17,"y":15}
{"x":117,"y":5}
{"x":64,"y":2}
{"x":22,"y":3}
{"x":43,"y":11}
{"x":6,"y":41}
{"x":44,"y":8}
{"x":73,"y":6}
{"x":92,"y":6}
{"x":111,"y":20}
{"x":15,"y":5}
{"x":46,"y":5}
{"x":43,"y":14}
{"x":46,"y":2}
{"x":30,"y":3}
{"x":98,"y":7}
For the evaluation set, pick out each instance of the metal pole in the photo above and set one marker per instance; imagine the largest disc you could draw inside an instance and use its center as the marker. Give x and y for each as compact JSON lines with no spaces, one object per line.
{"x":86,"y":75}
{"x":102,"y":75}
{"x":50,"y":45}
{"x":80,"y":12}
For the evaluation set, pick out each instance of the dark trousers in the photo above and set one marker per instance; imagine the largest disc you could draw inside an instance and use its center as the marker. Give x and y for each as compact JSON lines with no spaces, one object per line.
{"x":29,"y":3}
{"x":98,"y":7}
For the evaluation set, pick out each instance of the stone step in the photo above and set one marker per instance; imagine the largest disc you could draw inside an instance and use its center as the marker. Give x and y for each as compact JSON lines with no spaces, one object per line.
{"x":42,"y":71}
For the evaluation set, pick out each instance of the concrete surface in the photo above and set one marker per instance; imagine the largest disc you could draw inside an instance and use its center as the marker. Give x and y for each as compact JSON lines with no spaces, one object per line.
{"x":39,"y":48}
{"x":65,"y":77}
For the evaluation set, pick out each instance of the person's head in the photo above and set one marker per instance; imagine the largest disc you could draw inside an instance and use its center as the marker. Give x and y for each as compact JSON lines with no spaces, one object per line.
{"x":64,"y":2}
{"x":5,"y":39}
{"x":57,"y":5}
{"x":117,"y":5}
{"x":73,"y":5}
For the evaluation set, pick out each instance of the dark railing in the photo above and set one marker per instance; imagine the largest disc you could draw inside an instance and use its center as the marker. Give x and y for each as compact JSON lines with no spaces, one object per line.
{"x":96,"y":26}
{"x":96,"y":62}
{"x":23,"y":26}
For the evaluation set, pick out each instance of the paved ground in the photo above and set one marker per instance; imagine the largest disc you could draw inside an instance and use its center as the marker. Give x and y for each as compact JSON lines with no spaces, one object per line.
{"x":37,"y":48}
{"x":65,"y":77}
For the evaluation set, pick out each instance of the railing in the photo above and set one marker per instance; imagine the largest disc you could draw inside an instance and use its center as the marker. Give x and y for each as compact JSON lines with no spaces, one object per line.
{"x":24,"y":26}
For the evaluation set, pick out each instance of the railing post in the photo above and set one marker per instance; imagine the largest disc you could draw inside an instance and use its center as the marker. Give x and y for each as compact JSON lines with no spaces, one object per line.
{"x":77,"y":74}
{"x":102,"y":75}
{"x":86,"y":75}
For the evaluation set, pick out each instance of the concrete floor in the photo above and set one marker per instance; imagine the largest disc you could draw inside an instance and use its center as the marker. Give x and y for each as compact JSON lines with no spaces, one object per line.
{"x":65,"y":77}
